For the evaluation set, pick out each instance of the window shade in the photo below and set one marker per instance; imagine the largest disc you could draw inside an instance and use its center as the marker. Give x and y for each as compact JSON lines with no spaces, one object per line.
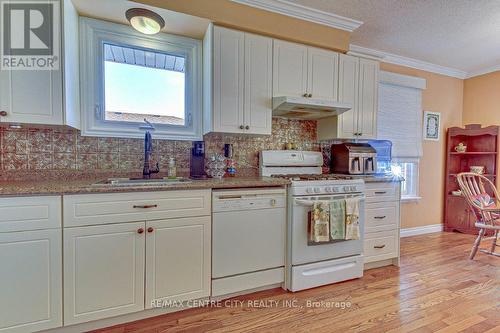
{"x":139,"y":57}
{"x":399,"y":117}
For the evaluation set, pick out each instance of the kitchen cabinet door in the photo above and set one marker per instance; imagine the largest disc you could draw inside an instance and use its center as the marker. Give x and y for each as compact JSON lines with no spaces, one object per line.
{"x":228,"y":80}
{"x":348,"y":93}
{"x":368,"y":96}
{"x":31,"y":96}
{"x":322,"y":79}
{"x":178,"y":259}
{"x":103,"y":271}
{"x":289,"y":69}
{"x":258,"y":84}
{"x":31,"y":275}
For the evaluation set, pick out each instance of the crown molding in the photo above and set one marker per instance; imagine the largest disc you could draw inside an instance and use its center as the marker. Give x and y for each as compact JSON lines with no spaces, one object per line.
{"x":483,"y":71}
{"x":409,"y":62}
{"x":304,"y":13}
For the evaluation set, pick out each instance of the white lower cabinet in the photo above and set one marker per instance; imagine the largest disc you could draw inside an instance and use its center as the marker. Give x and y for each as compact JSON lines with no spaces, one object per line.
{"x":31,"y":280}
{"x":178,"y":259}
{"x":114,"y":268}
{"x":103,"y":271}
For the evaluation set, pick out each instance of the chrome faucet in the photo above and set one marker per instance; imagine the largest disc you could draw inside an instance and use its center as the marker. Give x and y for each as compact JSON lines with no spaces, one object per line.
{"x":147,"y":171}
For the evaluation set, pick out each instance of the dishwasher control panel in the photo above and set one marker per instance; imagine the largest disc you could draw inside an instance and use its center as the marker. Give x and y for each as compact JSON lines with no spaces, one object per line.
{"x":224,"y":201}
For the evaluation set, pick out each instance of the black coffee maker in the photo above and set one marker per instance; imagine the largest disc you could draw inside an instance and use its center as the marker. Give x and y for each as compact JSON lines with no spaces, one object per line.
{"x":197,"y":165}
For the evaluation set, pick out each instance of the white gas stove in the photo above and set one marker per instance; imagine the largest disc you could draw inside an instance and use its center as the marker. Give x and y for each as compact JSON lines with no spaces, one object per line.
{"x":311,"y":265}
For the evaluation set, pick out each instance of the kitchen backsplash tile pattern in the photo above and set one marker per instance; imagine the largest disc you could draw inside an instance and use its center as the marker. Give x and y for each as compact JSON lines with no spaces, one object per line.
{"x":46,"y":149}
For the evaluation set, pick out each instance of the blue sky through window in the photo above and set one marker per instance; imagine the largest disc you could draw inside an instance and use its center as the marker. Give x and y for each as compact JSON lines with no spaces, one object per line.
{"x":143,"y":90}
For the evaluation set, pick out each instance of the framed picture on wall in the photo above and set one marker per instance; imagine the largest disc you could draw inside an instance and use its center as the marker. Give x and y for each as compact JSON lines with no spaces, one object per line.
{"x":432,"y":125}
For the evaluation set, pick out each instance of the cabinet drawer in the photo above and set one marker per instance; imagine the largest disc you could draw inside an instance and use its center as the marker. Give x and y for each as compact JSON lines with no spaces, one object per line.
{"x":381,"y":245}
{"x":382,"y":192}
{"x":30,"y":213}
{"x":96,"y":209}
{"x":381,"y":216}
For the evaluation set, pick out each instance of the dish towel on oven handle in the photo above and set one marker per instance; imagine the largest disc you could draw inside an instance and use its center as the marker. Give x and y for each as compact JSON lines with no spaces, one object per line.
{"x":352,"y":218}
{"x":337,"y":219}
{"x":320,"y":222}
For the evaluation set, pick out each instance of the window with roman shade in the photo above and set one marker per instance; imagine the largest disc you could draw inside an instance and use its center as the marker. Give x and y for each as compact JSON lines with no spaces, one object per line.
{"x":399,"y":120}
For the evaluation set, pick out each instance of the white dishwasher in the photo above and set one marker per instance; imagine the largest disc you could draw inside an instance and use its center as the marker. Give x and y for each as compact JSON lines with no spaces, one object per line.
{"x":248,"y":239}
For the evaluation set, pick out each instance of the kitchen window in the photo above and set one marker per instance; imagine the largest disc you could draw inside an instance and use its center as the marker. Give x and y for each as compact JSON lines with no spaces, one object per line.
{"x":399,"y":120}
{"x":129,"y":77}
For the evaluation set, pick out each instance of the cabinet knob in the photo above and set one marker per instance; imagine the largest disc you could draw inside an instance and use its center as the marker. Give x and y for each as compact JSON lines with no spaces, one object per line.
{"x":242,"y":127}
{"x":3,"y":113}
{"x":140,"y":230}
{"x":305,"y":95}
{"x":150,"y":229}
{"x":310,"y":95}
{"x":247,"y":127}
{"x":360,"y":134}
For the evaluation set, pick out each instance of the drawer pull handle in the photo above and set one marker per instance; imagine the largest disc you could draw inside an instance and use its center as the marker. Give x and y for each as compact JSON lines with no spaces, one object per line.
{"x":379,"y":246}
{"x":140,"y":230}
{"x":380,"y":217}
{"x":150,"y":229}
{"x":380,"y":192}
{"x":145,"y":206}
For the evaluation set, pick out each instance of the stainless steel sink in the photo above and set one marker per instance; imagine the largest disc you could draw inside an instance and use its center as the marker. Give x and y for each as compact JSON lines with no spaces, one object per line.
{"x":142,"y":182}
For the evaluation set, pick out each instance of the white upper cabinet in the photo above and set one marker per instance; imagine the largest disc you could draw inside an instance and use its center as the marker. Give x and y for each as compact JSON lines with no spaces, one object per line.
{"x":348,"y":92}
{"x":228,"y":80}
{"x":368,"y":98}
{"x":358,"y":85}
{"x":302,"y":71}
{"x":322,"y":78}
{"x":258,"y":84}
{"x":238,"y":98}
{"x":36,"y":96}
{"x":289,"y":69}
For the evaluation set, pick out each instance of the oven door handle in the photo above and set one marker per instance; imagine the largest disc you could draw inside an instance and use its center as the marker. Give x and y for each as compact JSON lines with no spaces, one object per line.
{"x":310,"y":202}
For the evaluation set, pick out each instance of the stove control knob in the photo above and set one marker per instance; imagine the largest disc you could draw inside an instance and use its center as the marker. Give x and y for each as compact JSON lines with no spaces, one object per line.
{"x":317,"y":190}
{"x":309,"y":190}
{"x":335,"y":189}
{"x":346,"y":188}
{"x":353,"y":189}
{"x":329,"y":189}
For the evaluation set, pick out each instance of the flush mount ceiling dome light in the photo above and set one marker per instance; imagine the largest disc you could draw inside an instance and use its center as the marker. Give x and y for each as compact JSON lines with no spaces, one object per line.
{"x":145,"y":20}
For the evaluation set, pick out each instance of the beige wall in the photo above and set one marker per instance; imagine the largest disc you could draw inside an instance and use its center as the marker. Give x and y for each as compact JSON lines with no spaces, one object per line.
{"x":482,"y":101}
{"x":443,"y":94}
{"x":231,"y":14}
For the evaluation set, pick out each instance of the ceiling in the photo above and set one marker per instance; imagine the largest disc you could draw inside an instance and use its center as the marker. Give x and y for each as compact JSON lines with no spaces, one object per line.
{"x":114,"y":10}
{"x":459,"y":34}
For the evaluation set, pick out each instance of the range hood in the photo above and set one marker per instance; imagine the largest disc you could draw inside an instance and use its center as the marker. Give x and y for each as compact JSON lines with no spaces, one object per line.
{"x":307,"y":108}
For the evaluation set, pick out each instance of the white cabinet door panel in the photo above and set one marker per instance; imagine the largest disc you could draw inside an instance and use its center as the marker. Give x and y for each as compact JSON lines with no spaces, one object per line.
{"x":289,"y":69}
{"x":322,"y":74}
{"x":178,"y":259}
{"x":31,"y":281}
{"x":258,"y":84}
{"x":103,"y":271}
{"x":348,"y":93}
{"x":31,"y":96}
{"x":228,"y":80}
{"x":368,"y":95}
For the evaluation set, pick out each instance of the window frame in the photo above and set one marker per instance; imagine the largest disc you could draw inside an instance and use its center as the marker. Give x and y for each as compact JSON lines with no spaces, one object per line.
{"x":93,"y":35}
{"x":414,"y":181}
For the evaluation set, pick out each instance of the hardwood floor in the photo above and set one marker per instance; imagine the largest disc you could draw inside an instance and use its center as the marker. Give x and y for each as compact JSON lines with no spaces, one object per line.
{"x":436,"y":289}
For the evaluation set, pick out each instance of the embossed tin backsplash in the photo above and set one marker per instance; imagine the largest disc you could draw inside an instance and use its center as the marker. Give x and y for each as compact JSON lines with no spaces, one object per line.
{"x":42,"y":149}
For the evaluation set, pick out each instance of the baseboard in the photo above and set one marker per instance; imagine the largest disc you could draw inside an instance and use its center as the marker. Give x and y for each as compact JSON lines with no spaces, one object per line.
{"x":426,"y":229}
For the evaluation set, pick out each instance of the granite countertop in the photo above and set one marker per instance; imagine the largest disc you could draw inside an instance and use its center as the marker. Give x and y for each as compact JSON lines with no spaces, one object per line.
{"x":60,"y":187}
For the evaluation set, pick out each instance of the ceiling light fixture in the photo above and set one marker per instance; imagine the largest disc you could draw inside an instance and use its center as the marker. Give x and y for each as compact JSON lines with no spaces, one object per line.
{"x":145,"y":20}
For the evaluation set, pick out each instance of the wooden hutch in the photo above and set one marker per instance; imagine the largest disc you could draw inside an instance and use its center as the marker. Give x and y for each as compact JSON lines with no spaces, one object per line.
{"x":482,"y":150}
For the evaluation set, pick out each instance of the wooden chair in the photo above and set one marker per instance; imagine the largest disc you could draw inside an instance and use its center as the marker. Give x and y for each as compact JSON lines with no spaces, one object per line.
{"x":475,"y":188}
